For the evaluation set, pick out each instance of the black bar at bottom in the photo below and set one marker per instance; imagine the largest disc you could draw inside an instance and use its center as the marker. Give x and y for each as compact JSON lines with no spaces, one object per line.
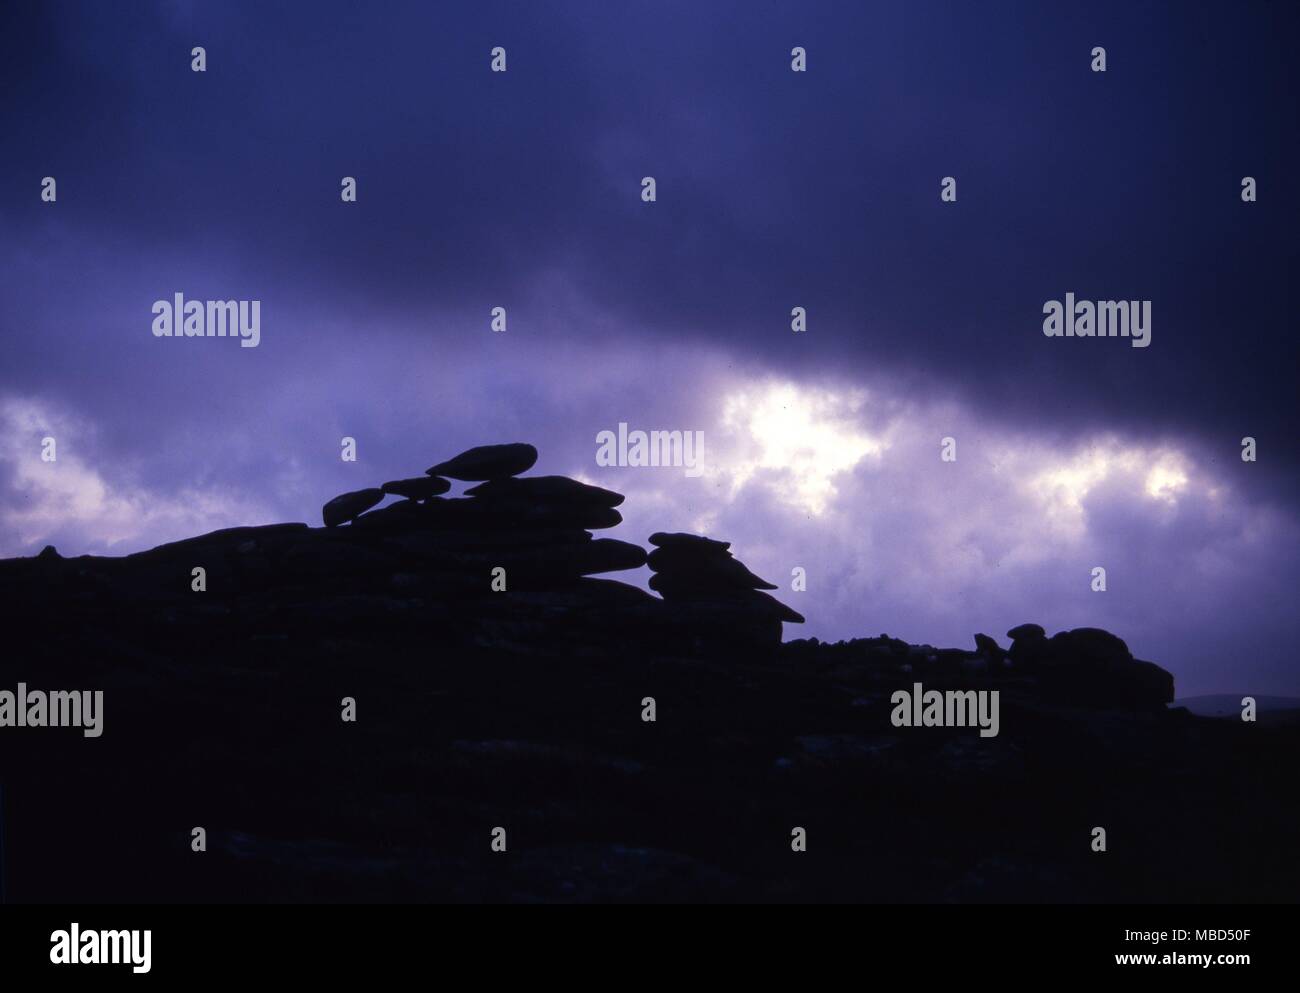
{"x":335,"y":943}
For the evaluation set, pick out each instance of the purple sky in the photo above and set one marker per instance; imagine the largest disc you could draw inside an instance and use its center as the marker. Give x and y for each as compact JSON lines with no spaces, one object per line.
{"x":776,"y":190}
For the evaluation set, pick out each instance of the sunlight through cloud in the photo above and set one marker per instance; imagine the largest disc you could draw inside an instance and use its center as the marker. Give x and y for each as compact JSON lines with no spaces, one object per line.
{"x":806,"y":435}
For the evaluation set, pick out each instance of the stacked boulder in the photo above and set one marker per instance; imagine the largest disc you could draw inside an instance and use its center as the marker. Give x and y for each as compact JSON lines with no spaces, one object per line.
{"x":536,"y":528}
{"x":719,"y":593}
{"x":487,"y":462}
{"x":551,"y":519}
{"x":1089,"y":666}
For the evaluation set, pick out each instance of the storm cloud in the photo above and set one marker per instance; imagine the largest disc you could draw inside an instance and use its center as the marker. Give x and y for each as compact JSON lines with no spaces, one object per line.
{"x":775,"y":190}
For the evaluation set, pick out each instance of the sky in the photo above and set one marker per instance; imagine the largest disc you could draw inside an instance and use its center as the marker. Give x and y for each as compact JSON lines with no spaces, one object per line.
{"x":774,"y":189}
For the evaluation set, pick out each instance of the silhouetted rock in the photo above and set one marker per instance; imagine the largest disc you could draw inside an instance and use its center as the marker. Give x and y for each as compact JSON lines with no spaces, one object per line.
{"x":694,"y":586}
{"x":708,"y":567}
{"x":536,"y":529}
{"x":764,"y":604}
{"x":487,"y":462}
{"x":404,"y":515}
{"x":547,"y":490}
{"x":346,"y":506}
{"x":716,"y":592}
{"x":1087,"y":646}
{"x":1028,"y":643}
{"x":434,"y":542}
{"x":1089,"y":666}
{"x":534,"y":515}
{"x":609,"y":555}
{"x":1151,"y":683}
{"x":511,"y":513}
{"x":989,"y":647}
{"x":1027,"y":632}
{"x":679,"y":539}
{"x":418,"y":488}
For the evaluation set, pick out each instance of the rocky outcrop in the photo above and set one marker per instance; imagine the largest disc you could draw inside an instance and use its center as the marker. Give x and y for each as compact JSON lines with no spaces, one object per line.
{"x":1089,"y":665}
{"x":531,"y":534}
{"x":635,"y":746}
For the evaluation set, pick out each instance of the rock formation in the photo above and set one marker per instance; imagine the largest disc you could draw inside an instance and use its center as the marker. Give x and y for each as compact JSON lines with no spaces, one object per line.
{"x":701,"y":576}
{"x":1088,"y":666}
{"x":538,"y":530}
{"x":636,"y":746}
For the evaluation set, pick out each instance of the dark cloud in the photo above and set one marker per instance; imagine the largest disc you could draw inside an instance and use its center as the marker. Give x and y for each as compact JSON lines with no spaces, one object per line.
{"x":775,"y":189}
